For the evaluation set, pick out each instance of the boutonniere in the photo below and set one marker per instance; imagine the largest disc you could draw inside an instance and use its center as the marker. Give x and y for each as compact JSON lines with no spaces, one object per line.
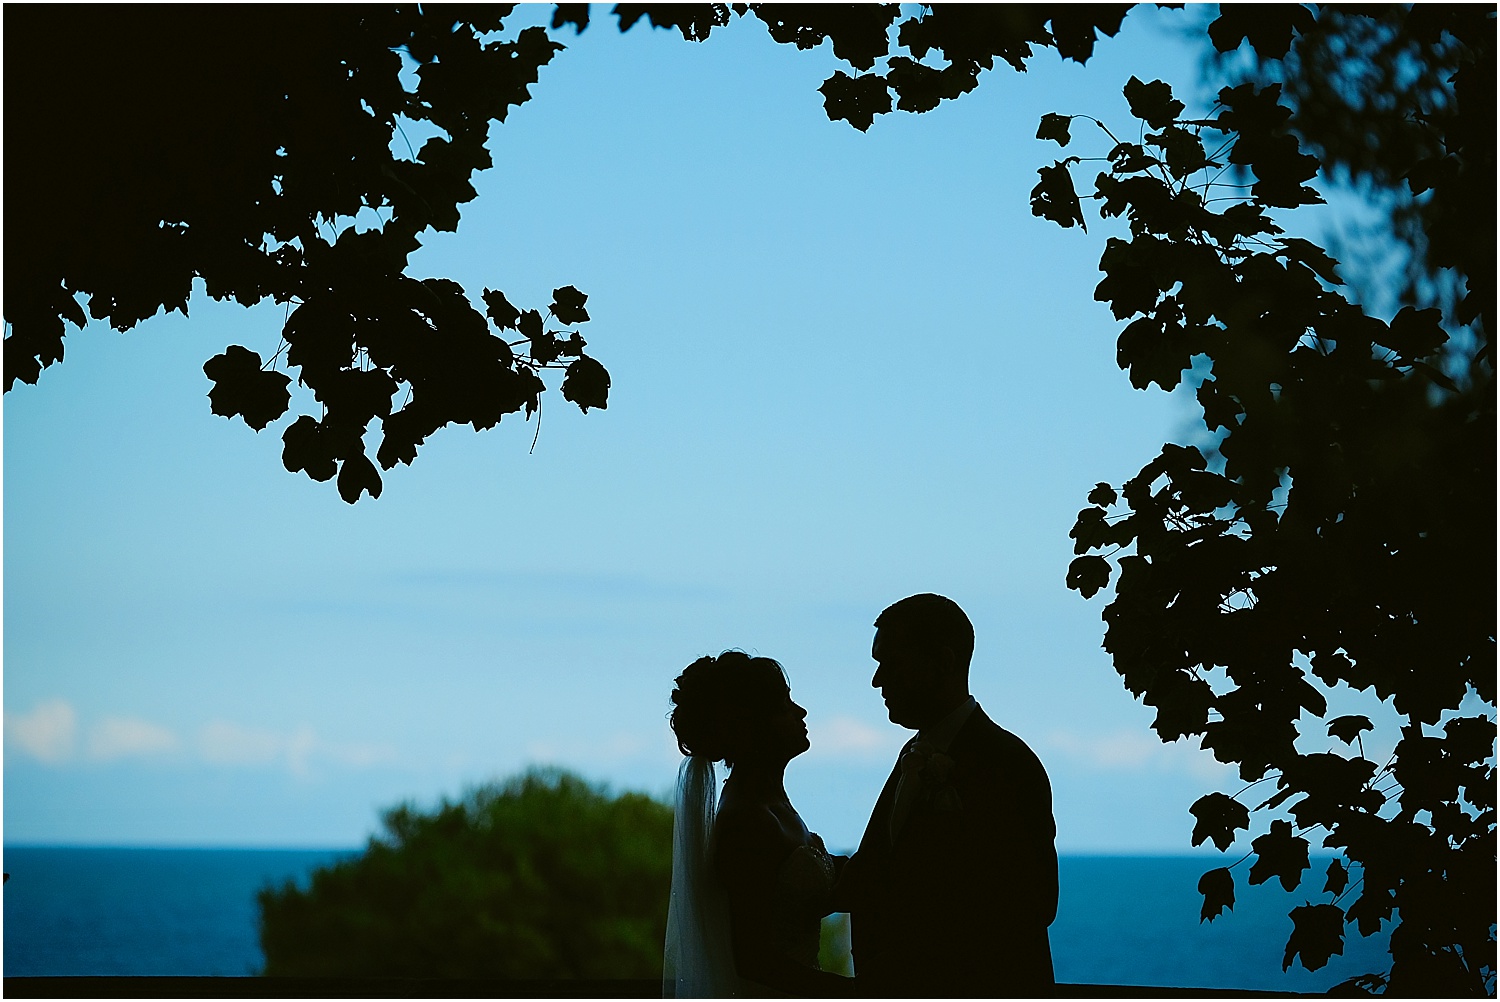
{"x":935,"y":770}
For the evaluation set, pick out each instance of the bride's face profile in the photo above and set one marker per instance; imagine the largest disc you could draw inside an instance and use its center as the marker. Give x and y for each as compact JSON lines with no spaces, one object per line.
{"x":780,"y":736}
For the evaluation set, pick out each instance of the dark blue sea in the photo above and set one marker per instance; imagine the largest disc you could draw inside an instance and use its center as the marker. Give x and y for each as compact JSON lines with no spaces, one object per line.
{"x":1123,"y":920}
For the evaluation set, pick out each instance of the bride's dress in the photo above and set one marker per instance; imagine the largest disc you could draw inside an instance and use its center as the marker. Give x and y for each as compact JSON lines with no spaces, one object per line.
{"x":699,"y":957}
{"x":800,"y":899}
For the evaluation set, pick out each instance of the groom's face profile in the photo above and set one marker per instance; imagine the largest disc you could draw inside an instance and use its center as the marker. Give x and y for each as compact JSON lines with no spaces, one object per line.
{"x":910,"y":677}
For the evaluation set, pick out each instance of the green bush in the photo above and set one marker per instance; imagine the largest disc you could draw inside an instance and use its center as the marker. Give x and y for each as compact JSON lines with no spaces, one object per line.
{"x":543,"y":876}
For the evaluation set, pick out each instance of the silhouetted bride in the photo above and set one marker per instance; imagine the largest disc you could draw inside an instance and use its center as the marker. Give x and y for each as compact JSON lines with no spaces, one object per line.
{"x":750,"y":883}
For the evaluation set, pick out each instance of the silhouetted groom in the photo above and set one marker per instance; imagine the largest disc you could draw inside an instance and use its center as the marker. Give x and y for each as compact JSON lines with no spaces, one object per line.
{"x":955,"y":880}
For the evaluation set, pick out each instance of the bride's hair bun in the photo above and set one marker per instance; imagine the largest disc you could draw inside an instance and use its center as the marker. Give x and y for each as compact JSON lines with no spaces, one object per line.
{"x":716,"y":697}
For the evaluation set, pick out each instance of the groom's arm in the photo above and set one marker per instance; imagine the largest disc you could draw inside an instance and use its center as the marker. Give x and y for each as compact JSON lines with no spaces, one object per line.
{"x":849,"y":879}
{"x":1021,"y":868}
{"x":1037,"y":840}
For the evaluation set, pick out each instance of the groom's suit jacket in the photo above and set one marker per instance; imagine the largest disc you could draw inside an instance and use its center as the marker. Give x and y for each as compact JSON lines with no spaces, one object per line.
{"x":959,"y":902}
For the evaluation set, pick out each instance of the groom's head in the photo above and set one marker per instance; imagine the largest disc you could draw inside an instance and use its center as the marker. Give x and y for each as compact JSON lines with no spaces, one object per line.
{"x":922,"y":649}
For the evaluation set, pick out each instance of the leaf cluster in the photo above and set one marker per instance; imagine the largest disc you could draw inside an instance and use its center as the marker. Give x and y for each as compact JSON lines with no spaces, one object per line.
{"x":266,"y":153}
{"x":357,"y":347}
{"x":911,"y":63}
{"x":543,"y":876}
{"x":1341,"y":531}
{"x":1377,"y":95}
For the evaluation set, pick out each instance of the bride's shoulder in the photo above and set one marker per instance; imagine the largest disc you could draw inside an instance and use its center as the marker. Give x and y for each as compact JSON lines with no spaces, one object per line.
{"x":748,"y":836}
{"x":746,"y":823}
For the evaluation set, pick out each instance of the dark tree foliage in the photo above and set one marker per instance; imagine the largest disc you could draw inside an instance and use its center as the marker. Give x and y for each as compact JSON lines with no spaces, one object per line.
{"x":1374,"y":90}
{"x":939,"y":53}
{"x":1337,"y":534}
{"x":544,"y":876}
{"x":1341,"y":527}
{"x":264,"y":151}
{"x":1344,"y":533}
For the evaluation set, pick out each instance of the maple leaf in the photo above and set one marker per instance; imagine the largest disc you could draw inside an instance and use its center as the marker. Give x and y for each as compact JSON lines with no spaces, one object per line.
{"x":586,"y":383}
{"x":1337,"y":880}
{"x":1373,"y":906}
{"x":1317,"y":934}
{"x":242,"y":387}
{"x":1055,"y":128}
{"x":499,"y":310}
{"x":530,"y":324}
{"x":357,"y":475}
{"x":576,"y":14}
{"x":1182,"y":149}
{"x":1217,"y":888}
{"x":1269,"y":28}
{"x":1152,"y":102}
{"x":567,"y":305}
{"x":1470,"y":739}
{"x":1131,"y":158}
{"x":320,"y":334}
{"x":545,"y":348}
{"x":1075,"y":28}
{"x":1182,"y":704}
{"x":1086,"y":575}
{"x":402,"y":434}
{"x":1218,"y":815}
{"x":1347,"y":728}
{"x":1090,"y":530}
{"x":1103,"y":494}
{"x":1055,"y":198}
{"x":1313,"y":256}
{"x":1279,"y":853}
{"x":305,"y":448}
{"x":856,"y":100}
{"x":1416,"y":333}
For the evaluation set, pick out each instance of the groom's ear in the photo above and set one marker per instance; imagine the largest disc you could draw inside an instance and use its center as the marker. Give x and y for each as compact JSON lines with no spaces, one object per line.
{"x":947,"y":660}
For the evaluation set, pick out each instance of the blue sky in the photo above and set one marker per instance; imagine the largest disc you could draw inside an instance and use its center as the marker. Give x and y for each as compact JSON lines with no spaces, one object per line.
{"x":846,"y":367}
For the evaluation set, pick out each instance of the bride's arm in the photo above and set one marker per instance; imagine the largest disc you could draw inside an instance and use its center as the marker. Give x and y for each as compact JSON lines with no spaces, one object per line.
{"x":751,"y":849}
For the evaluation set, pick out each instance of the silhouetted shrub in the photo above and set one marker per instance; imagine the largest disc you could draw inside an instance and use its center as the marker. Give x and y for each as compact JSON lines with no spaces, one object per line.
{"x":543,"y":876}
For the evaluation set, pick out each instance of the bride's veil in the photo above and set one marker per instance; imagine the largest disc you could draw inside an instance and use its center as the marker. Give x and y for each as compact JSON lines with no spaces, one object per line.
{"x":699,"y":958}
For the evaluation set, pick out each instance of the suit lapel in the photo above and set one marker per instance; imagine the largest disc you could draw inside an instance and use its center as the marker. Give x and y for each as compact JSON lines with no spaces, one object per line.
{"x":877,"y":838}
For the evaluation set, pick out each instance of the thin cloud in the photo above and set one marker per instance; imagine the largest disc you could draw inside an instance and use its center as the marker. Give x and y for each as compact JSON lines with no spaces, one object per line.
{"x":223,"y":742}
{"x":361,"y":755}
{"x":47,"y":733}
{"x":1134,"y":751}
{"x":123,"y":737}
{"x":50,"y":733}
{"x":846,"y":737}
